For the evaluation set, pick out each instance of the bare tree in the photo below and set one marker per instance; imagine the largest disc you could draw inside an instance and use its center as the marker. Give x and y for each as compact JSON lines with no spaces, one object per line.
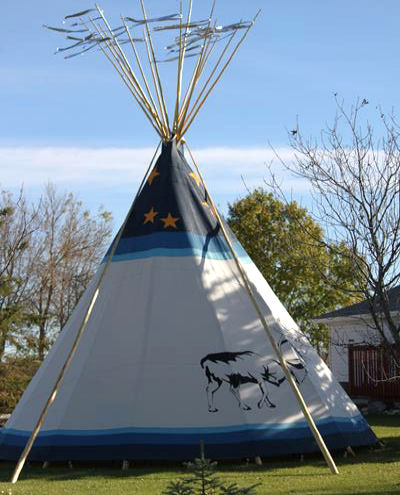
{"x":354,"y":173}
{"x":48,"y":254}
{"x":18,"y":224}
{"x":67,"y":249}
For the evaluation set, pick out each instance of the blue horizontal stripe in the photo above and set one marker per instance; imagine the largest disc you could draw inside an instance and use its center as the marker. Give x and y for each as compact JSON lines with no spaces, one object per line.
{"x":219,"y":435}
{"x":176,"y":244}
{"x":183,"y":443}
{"x":355,"y":422}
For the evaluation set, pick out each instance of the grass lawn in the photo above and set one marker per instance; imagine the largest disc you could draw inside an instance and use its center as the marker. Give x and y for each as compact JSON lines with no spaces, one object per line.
{"x":370,"y":472}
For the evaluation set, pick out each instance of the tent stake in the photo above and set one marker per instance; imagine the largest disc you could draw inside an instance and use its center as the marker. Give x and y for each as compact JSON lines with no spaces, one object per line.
{"x":77,"y":340}
{"x":320,"y":441}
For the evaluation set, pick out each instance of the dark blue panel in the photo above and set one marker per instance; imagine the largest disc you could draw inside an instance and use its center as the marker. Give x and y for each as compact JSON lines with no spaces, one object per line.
{"x":172,"y":203}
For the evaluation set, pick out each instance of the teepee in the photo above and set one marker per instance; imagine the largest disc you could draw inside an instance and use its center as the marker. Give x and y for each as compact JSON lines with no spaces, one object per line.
{"x":178,"y":339}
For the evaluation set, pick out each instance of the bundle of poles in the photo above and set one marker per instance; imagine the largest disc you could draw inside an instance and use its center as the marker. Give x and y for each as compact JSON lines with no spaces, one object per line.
{"x":196,"y":39}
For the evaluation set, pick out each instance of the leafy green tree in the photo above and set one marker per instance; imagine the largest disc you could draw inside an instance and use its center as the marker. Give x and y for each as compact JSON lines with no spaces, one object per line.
{"x":286,"y":245}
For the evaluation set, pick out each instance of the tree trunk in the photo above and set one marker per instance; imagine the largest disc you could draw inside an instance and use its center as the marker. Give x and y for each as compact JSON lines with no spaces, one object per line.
{"x":3,"y":340}
{"x":42,"y":341}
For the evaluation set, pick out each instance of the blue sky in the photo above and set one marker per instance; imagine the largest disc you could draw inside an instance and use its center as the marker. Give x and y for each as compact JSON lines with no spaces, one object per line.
{"x":74,"y":123}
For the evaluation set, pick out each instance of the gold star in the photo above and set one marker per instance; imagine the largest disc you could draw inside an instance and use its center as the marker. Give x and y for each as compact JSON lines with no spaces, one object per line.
{"x":169,"y":221}
{"x":152,"y":176}
{"x":204,"y":203}
{"x":150,"y":216}
{"x":196,"y":178}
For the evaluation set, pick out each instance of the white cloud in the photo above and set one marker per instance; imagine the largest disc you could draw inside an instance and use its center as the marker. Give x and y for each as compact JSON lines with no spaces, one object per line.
{"x":73,"y":166}
{"x":113,"y":168}
{"x":111,"y":176}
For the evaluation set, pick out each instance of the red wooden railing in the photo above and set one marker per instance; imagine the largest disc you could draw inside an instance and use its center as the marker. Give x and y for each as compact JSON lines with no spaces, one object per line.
{"x":374,"y":372}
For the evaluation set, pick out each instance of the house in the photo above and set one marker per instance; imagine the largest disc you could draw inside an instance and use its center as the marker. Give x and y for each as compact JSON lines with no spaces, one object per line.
{"x":356,"y":356}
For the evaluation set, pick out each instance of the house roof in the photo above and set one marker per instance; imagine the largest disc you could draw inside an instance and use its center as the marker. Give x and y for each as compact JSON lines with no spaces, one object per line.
{"x":362,"y":308}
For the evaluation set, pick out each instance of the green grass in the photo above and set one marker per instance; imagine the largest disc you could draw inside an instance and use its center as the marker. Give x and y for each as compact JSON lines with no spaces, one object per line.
{"x":370,"y":472}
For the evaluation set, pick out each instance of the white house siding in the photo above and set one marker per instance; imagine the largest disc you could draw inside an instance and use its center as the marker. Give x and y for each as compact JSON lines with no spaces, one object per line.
{"x":342,"y":334}
{"x":354,"y":325}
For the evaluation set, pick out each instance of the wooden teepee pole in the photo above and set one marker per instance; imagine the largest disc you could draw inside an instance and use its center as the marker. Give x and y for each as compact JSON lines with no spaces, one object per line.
{"x":179,"y":68}
{"x":185,"y":126}
{"x":313,"y":427}
{"x":196,"y":73}
{"x":184,"y":115}
{"x":187,"y":114}
{"x":75,"y":345}
{"x":128,"y":82}
{"x":150,"y":41}
{"x":124,"y":63}
{"x":155,"y":83}
{"x":140,"y":65}
{"x":182,"y":51}
{"x":204,"y":54}
{"x":126,"y":77}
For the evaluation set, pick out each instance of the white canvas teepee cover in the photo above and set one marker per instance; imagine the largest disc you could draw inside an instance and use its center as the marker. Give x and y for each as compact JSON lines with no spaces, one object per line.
{"x":174,"y":352}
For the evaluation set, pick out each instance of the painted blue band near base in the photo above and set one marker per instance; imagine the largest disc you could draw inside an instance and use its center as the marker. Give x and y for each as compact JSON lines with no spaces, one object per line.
{"x":182,"y":443}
